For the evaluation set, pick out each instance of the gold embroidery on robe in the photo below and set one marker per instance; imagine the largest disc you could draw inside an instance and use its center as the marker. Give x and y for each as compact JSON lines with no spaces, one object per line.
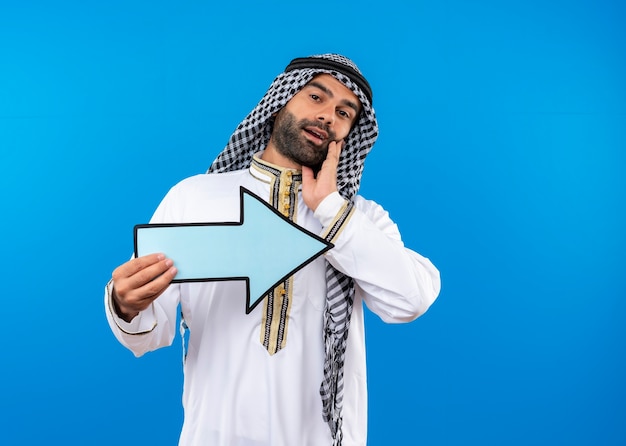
{"x":284,"y":185}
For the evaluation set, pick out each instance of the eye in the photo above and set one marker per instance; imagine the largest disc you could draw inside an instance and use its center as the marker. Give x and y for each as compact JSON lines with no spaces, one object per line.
{"x":344,"y":114}
{"x":314,"y":97}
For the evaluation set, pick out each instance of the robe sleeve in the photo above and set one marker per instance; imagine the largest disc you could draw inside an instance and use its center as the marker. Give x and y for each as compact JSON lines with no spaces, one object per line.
{"x":154,"y":327}
{"x":396,"y":283}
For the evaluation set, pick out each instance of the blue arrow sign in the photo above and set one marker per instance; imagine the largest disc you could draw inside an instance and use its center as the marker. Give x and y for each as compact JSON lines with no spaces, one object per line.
{"x":263,"y":248}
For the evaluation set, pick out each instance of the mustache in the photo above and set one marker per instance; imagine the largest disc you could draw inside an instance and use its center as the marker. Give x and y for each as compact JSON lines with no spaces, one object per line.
{"x":306,"y":123}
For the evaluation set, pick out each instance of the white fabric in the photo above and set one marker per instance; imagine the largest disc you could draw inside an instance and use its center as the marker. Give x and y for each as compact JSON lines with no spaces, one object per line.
{"x":235,"y":393}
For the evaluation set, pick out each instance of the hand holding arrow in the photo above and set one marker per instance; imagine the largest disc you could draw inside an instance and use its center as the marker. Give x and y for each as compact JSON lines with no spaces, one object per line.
{"x":138,"y":282}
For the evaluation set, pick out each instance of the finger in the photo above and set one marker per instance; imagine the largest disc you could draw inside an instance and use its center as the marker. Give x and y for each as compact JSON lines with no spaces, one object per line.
{"x":154,"y":288}
{"x":127,"y":287}
{"x":334,"y":150}
{"x":308,"y":176}
{"x":137,"y":264}
{"x":331,"y":162}
{"x":148,"y":274}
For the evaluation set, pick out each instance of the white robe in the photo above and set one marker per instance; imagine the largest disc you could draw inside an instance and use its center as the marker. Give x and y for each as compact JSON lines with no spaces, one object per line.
{"x":235,"y":393}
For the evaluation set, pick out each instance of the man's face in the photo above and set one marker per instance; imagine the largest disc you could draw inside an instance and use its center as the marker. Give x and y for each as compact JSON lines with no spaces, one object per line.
{"x":323,"y":111}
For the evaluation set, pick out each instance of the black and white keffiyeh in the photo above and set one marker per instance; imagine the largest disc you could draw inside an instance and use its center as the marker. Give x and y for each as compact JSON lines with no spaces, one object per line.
{"x":253,"y":135}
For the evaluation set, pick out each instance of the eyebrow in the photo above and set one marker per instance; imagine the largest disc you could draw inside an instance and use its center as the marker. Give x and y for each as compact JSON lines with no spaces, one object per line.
{"x":325,"y":89}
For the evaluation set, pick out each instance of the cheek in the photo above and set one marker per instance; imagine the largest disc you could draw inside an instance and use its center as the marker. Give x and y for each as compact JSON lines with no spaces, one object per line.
{"x":343,"y":131}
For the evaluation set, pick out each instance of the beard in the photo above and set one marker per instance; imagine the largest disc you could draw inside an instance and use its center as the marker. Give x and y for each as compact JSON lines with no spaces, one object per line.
{"x":290,"y":141}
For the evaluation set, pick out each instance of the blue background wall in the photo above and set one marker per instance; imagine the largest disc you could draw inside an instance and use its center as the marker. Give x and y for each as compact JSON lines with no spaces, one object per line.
{"x":501,"y":158}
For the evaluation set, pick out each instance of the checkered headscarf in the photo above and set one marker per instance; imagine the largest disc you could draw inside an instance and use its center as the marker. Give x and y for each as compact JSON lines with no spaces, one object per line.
{"x":252,"y":136}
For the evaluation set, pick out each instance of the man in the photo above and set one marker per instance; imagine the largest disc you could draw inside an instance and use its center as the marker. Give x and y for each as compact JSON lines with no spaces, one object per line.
{"x":292,"y":372}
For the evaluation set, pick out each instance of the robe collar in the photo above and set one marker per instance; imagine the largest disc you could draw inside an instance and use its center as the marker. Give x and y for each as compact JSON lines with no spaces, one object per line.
{"x":271,"y":173}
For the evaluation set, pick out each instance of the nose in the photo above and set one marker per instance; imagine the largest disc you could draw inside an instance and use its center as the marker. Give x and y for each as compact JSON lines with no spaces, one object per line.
{"x":326,"y":114}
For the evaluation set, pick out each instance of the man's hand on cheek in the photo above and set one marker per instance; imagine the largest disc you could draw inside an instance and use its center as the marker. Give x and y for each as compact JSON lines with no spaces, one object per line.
{"x":315,"y":189}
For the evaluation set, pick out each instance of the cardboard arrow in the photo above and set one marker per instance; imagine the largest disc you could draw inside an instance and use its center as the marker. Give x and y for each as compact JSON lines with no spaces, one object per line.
{"x":263,"y":248}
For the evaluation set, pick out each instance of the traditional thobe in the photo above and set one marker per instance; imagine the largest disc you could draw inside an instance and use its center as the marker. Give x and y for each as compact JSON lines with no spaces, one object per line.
{"x":253,"y":379}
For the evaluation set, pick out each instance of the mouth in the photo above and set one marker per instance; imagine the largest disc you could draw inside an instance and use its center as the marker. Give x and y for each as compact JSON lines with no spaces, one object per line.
{"x":316,"y":134}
